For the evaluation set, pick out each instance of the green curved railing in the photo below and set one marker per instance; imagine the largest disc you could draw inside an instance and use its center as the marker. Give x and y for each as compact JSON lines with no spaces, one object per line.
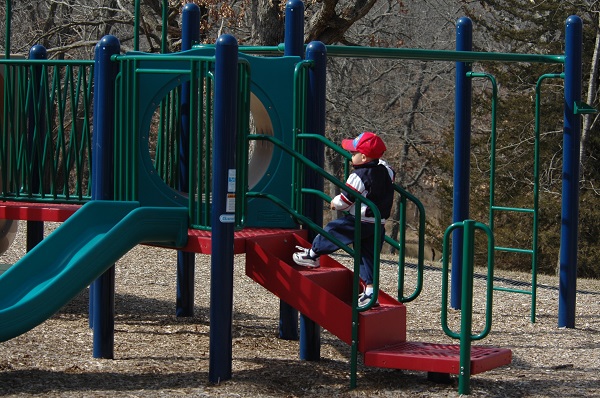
{"x":302,"y":161}
{"x":300,"y":164}
{"x":466,"y":313}
{"x":400,"y":243}
{"x":353,"y":252}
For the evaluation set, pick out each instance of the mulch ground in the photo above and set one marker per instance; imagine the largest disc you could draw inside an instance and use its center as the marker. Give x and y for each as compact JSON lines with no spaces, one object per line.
{"x":159,"y":354}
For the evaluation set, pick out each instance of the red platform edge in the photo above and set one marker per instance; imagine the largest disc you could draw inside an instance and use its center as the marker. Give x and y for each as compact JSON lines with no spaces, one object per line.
{"x":441,"y":358}
{"x":29,"y":211}
{"x":199,"y":241}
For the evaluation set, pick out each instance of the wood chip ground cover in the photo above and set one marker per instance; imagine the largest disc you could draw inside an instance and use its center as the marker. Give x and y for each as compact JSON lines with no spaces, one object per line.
{"x":160,"y":355}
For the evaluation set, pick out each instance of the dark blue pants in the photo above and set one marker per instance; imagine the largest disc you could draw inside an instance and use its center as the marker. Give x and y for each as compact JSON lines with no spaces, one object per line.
{"x":343,"y":229}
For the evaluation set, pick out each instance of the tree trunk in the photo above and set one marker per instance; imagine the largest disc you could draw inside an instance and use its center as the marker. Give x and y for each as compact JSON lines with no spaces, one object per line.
{"x":267,"y":23}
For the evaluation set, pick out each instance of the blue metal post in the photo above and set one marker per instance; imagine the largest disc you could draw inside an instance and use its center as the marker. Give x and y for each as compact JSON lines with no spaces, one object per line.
{"x":294,"y":28}
{"x":310,"y":338}
{"x":223,"y":210}
{"x":102,"y":291}
{"x":294,"y":46}
{"x":570,"y":182}
{"x":190,"y":34}
{"x":462,"y":152}
{"x":35,"y":229}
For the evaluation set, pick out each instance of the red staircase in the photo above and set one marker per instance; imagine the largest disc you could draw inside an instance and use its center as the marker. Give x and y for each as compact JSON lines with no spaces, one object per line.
{"x":324,"y":295}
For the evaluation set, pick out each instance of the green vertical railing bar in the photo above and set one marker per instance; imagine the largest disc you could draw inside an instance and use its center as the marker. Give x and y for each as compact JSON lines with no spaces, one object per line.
{"x":120,"y":128}
{"x":243,"y":129}
{"x":300,"y":95}
{"x":195,"y":197}
{"x":208,"y":134}
{"x":136,"y":25}
{"x":56,"y":107}
{"x":7,"y":26}
{"x":164,"y":26}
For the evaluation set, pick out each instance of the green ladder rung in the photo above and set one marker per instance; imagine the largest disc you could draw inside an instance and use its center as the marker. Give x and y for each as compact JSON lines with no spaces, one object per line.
{"x":513,"y":250}
{"x":508,"y":289}
{"x":517,"y":209}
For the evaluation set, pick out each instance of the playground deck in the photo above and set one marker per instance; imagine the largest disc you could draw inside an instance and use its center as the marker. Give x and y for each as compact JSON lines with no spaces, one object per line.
{"x":199,"y":241}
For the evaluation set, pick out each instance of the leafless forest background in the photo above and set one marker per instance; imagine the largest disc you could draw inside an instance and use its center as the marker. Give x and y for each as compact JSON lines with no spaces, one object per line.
{"x":410,"y":103}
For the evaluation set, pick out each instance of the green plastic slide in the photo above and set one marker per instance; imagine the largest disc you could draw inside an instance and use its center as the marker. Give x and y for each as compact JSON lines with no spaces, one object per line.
{"x":77,"y":253}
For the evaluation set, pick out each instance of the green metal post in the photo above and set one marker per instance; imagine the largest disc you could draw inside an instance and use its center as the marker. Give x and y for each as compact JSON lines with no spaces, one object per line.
{"x":466,"y":315}
{"x":136,"y":26}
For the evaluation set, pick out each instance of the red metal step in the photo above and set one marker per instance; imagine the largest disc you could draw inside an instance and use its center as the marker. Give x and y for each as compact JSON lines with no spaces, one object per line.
{"x":323,"y":294}
{"x":441,"y":358}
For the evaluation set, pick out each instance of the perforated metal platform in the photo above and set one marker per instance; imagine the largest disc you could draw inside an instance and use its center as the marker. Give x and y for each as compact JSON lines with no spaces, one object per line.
{"x":200,"y":241}
{"x":441,"y":358}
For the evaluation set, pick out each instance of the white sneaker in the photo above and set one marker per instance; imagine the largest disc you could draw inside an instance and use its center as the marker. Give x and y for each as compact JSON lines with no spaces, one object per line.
{"x":304,"y":258}
{"x":364,"y":299}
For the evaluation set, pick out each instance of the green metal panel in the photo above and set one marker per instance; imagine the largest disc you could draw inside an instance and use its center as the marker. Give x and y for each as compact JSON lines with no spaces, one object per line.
{"x":270,"y":168}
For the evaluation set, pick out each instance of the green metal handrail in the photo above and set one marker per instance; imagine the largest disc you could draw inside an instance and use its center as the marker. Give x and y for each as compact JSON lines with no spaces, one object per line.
{"x":416,"y":54}
{"x":303,"y":161}
{"x":400,"y":243}
{"x":466,"y":314}
{"x":299,"y":168}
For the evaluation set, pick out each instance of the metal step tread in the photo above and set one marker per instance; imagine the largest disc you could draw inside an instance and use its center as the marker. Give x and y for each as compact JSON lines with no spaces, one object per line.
{"x":433,"y":357}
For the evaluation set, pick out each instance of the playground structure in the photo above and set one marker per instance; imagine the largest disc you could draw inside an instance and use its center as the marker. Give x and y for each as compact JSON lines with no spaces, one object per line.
{"x":198,"y":195}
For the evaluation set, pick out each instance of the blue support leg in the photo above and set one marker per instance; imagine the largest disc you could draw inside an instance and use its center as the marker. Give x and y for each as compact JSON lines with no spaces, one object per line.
{"x":294,"y":46}
{"x":186,"y":265}
{"x":222,"y":217}
{"x":102,"y":291}
{"x":310,"y":339}
{"x":570,"y":184}
{"x":462,"y":153}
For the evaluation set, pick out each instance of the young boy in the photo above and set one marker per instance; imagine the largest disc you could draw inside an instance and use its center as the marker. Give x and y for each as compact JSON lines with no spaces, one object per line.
{"x":373,"y":179}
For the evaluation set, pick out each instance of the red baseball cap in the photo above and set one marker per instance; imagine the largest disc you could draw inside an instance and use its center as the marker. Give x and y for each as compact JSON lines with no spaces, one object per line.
{"x":367,"y":143}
